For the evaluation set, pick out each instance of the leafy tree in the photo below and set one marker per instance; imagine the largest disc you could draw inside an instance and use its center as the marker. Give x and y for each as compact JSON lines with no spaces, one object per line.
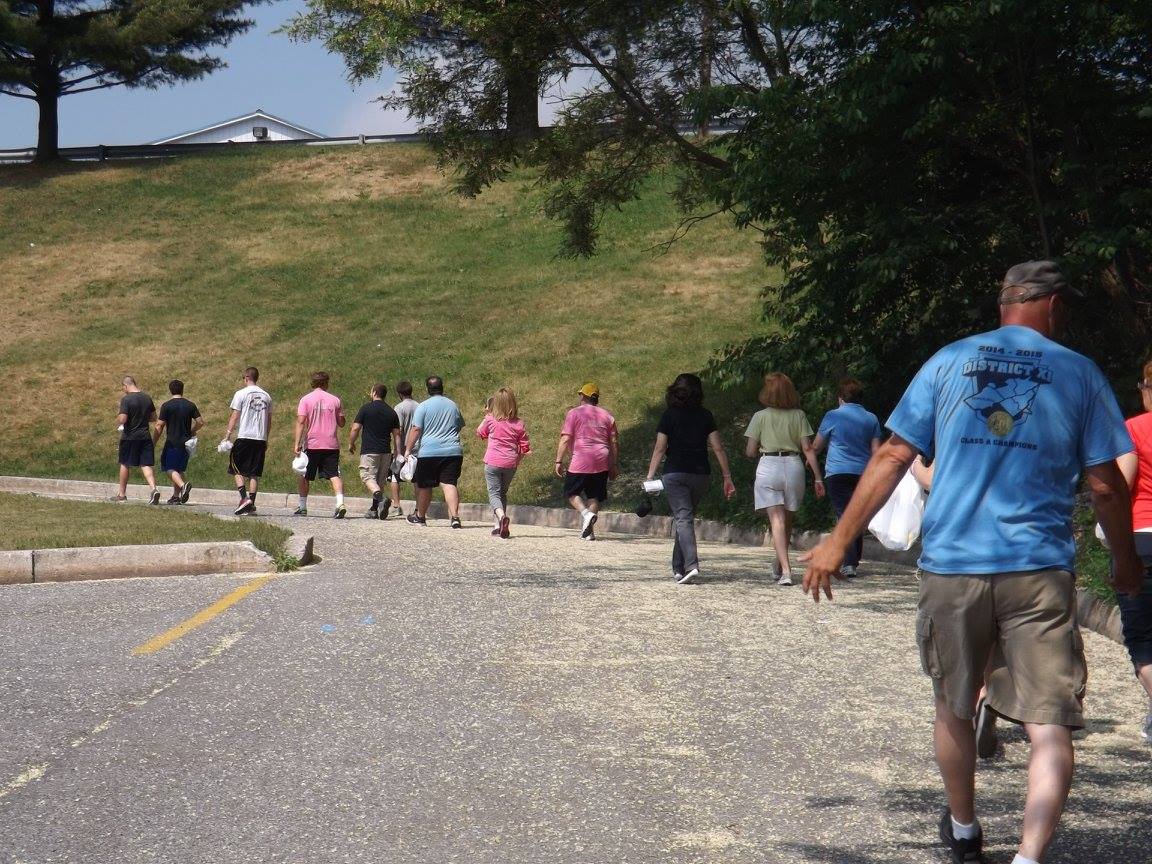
{"x":55,"y":48}
{"x":893,"y":158}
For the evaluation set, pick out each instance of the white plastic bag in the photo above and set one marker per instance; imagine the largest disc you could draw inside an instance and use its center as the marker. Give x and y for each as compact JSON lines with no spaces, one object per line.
{"x":190,"y":445}
{"x":300,"y":463}
{"x":408,"y":469}
{"x":224,"y":446}
{"x":897,"y":524}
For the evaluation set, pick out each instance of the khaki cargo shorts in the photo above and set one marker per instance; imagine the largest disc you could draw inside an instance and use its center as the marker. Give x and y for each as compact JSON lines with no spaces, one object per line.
{"x":1017,"y":631}
{"x":374,"y":466}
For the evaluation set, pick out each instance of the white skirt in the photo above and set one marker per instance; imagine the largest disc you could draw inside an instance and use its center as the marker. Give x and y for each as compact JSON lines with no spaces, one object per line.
{"x":779,"y":480}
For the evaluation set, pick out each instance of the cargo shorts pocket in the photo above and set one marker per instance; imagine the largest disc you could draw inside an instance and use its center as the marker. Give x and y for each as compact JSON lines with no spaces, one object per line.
{"x":926,"y":642}
{"x":1080,"y":664}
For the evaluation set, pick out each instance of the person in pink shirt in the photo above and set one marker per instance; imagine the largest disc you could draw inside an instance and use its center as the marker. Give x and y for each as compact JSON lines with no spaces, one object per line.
{"x":589,"y":434}
{"x":507,"y":441}
{"x":318,"y":417}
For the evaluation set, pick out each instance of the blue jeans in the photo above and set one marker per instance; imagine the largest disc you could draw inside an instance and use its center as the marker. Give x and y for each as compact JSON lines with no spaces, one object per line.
{"x":1136,"y":612}
{"x":840,"y":488}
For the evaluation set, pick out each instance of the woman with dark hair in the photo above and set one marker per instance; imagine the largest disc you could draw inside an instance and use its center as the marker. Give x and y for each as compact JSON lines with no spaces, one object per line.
{"x":685,"y":432}
{"x":778,"y":435}
{"x":852,"y":435}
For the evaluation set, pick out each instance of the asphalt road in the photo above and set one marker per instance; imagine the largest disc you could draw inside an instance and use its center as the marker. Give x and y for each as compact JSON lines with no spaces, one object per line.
{"x":428,"y":695}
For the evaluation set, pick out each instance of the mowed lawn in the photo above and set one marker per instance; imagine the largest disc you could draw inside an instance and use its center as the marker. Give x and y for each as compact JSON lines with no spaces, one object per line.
{"x":31,"y":522}
{"x":356,"y":260}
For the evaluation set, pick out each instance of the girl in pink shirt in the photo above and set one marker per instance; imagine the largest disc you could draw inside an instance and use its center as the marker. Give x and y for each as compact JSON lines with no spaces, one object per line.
{"x":507,"y":445}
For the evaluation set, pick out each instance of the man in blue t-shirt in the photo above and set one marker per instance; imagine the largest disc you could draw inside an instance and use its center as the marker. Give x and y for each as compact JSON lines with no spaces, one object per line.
{"x":1012,"y":420}
{"x":436,"y":426}
{"x":851,"y":433}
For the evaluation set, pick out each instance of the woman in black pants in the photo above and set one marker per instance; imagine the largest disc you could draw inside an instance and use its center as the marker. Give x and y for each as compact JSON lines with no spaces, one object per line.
{"x":684,"y":434}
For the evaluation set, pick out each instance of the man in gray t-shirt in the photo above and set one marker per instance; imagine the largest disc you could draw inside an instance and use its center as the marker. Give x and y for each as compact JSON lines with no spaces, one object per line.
{"x":405,"y":408}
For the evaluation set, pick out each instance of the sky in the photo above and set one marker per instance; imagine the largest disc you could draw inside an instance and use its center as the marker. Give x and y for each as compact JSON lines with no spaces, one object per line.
{"x":300,"y":82}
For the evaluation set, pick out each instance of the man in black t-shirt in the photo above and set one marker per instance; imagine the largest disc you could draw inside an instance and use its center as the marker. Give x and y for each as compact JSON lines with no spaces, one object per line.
{"x":137,"y":411}
{"x":181,"y":419}
{"x":380,"y":426}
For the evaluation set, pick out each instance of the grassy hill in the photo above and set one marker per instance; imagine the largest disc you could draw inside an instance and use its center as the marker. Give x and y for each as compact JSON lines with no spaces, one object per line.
{"x":356,"y":260}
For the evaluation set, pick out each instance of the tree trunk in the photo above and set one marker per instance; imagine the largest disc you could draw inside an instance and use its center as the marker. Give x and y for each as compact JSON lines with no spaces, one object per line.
{"x":523,"y":112}
{"x":48,"y":129}
{"x":47,"y":77}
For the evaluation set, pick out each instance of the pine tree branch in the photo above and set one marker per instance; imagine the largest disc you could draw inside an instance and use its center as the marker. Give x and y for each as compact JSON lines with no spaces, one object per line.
{"x":624,"y":88}
{"x":6,"y":92}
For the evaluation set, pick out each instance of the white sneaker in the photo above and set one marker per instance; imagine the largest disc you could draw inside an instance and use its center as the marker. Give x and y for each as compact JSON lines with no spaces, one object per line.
{"x":689,"y":577}
{"x":785,"y":579}
{"x":1146,"y":732}
{"x":587,"y":520}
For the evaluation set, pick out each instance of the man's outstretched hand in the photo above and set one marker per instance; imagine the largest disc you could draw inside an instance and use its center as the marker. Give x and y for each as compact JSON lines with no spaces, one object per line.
{"x":823,"y":562}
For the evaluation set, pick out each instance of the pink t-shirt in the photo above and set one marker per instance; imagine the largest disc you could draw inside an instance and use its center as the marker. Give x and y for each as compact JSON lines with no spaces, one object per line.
{"x":507,"y":442}
{"x":324,"y":415}
{"x":592,"y":429}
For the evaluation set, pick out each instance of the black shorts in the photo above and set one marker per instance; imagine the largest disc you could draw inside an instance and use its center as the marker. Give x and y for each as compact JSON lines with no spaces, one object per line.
{"x":591,"y":486}
{"x":431,"y":471}
{"x":136,"y":454}
{"x":323,"y":463}
{"x":247,"y":457}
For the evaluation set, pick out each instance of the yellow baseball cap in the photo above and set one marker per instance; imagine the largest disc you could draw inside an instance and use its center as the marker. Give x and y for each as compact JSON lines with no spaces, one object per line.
{"x":589,"y":390}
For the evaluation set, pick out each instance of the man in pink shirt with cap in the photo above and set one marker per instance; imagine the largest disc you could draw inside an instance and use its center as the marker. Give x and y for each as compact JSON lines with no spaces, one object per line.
{"x":589,"y":433}
{"x":318,"y":416}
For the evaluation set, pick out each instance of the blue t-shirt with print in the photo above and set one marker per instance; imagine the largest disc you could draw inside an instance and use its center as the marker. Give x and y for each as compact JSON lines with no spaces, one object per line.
{"x":440,"y":422}
{"x":849,"y":431}
{"x":1011,"y":418}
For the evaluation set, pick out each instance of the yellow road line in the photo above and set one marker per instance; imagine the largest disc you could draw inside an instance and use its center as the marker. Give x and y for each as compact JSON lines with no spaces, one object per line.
{"x":202,"y":617}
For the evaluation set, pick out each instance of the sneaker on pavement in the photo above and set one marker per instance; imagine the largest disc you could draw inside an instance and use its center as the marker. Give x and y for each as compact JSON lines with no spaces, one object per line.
{"x":299,"y":511}
{"x":372,"y":513}
{"x":396,"y":511}
{"x":785,"y":579}
{"x":1146,"y":732}
{"x":247,"y":506}
{"x":415,"y":519}
{"x":847,"y":572}
{"x":677,"y":576}
{"x":119,"y":499}
{"x":455,"y":523}
{"x":505,"y":533}
{"x":689,"y":578}
{"x":154,"y":498}
{"x":777,"y":570}
{"x":587,"y":520}
{"x":175,"y":499}
{"x":383,"y":511}
{"x":963,"y":851}
{"x":985,"y":730}
{"x":495,"y":532}
{"x":185,"y":491}
{"x":341,"y":512}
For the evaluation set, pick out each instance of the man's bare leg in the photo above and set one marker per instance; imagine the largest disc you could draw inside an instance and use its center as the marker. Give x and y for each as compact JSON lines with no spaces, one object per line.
{"x":1050,"y":769}
{"x":395,"y":494}
{"x":423,"y":500}
{"x":149,"y":475}
{"x":123,"y":481}
{"x":177,"y":481}
{"x":955,"y":743}
{"x":452,"y":499}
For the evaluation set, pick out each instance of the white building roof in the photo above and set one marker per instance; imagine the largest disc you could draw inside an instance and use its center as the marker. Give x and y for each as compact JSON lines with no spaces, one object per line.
{"x":258,"y":114}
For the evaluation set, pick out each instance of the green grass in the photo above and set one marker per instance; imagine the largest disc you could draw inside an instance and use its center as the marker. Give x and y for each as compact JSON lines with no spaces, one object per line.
{"x":1093,"y":561}
{"x":32,"y":522}
{"x":359,"y":261}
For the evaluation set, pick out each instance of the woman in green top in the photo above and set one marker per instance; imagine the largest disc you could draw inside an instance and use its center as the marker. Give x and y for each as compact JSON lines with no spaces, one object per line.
{"x":778,"y":435}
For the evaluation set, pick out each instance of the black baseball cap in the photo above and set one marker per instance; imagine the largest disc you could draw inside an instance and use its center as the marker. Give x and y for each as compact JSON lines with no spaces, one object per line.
{"x":1033,"y":279}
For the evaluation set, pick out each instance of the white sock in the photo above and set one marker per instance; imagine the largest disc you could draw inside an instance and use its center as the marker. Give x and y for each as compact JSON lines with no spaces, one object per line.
{"x":1020,"y":859}
{"x":965,"y":832}
{"x":340,"y":500}
{"x":303,"y":502}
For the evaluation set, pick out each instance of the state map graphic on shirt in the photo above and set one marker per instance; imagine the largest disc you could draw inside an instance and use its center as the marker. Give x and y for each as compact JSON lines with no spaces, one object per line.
{"x":1005,"y":386}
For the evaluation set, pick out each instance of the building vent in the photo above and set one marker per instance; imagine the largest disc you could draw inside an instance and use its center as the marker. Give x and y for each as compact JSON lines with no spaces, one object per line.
{"x":260,"y":133}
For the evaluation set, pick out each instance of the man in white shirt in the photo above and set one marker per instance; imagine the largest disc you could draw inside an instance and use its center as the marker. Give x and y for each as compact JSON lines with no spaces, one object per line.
{"x":251,"y":418}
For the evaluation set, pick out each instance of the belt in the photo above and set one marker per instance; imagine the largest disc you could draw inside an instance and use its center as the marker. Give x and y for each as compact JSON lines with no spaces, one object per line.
{"x":779,"y":453}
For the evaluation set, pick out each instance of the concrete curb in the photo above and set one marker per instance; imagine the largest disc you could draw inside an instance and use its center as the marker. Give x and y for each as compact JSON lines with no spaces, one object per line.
{"x":1097,"y":616}
{"x":126,"y":562}
{"x":521,"y":514}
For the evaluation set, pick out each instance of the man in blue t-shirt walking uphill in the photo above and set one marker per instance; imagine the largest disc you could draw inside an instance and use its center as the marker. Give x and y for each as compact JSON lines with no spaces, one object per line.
{"x":435,"y":430}
{"x":1012,"y":419}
